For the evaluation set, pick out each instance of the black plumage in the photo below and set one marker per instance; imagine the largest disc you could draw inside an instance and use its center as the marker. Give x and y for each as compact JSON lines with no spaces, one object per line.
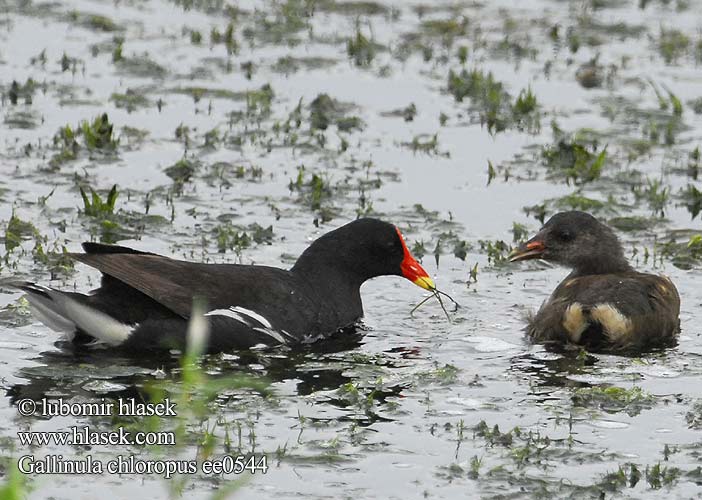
{"x":603,"y":304}
{"x":145,"y":300}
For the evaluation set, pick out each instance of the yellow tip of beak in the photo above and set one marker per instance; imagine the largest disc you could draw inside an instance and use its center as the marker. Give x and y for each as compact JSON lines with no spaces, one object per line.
{"x":425,"y":282}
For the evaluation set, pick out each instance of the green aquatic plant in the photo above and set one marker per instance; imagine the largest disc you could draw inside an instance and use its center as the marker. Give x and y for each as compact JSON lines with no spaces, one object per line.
{"x":98,"y":133}
{"x":525,"y":111}
{"x":614,"y":399}
{"x":443,"y":375}
{"x":325,"y":111}
{"x":655,"y":193}
{"x":18,"y":230}
{"x":65,"y":140}
{"x":574,"y":160}
{"x":131,"y":100}
{"x":314,"y":190}
{"x":684,"y":250}
{"x":258,"y":102}
{"x":496,"y":250}
{"x":487,"y":96}
{"x":95,"y":22}
{"x":24,"y":91}
{"x":94,"y":206}
{"x":15,"y":486}
{"x":360,"y":49}
{"x":425,"y":143}
{"x":657,"y":476}
{"x":182,"y":171}
{"x":576,"y":201}
{"x":672,"y":44}
{"x":692,"y":199}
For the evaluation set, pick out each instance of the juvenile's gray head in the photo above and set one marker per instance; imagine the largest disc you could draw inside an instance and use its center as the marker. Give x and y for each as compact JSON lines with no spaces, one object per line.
{"x":576,"y":240}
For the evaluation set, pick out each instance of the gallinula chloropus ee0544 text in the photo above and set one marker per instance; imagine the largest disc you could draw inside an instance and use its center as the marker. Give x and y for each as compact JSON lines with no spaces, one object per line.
{"x":145,"y":300}
{"x":603,"y":304}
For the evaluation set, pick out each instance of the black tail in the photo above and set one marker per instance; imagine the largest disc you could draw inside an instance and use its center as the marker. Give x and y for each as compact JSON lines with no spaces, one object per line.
{"x":101,"y":248}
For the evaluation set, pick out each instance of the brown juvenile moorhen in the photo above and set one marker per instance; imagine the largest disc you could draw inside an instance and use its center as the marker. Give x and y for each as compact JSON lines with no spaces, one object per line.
{"x":603,"y":304}
{"x":145,"y":300}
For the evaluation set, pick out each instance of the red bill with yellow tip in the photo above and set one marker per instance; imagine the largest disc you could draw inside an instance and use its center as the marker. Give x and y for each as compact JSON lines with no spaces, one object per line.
{"x":411,"y":269}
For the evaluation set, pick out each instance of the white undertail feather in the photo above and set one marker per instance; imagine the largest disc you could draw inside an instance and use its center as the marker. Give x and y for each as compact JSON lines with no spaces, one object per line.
{"x":62,"y":313}
{"x":45,"y":310}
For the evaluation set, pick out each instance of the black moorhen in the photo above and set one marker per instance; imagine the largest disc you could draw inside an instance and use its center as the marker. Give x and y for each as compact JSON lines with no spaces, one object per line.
{"x":145,"y":300}
{"x":603,"y":304}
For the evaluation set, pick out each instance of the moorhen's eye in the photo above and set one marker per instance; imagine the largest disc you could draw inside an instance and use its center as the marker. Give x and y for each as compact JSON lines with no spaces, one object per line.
{"x":564,"y":235}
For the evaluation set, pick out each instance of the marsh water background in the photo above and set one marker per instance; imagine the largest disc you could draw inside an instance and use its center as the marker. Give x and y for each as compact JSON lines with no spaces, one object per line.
{"x":219,"y":132}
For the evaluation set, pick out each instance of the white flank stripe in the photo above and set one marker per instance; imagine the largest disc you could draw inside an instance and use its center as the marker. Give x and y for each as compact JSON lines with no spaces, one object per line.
{"x":271,"y":333}
{"x":250,"y":318}
{"x":253,"y":315}
{"x":228,"y":313}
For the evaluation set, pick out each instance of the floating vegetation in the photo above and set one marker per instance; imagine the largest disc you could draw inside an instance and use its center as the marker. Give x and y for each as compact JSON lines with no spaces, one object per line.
{"x":325,"y":111}
{"x":632,"y":223}
{"x":492,"y":102}
{"x":229,"y":237}
{"x":360,"y":49}
{"x":576,"y":201}
{"x":131,"y":100}
{"x":683,"y":248}
{"x":17,"y":231}
{"x":292,"y":64}
{"x":407,"y":113}
{"x":94,"y":22}
{"x":497,"y":251}
{"x":692,"y":198}
{"x":138,"y":66}
{"x":575,"y":161}
{"x":696,"y":105}
{"x":445,"y":29}
{"x":672,"y":44}
{"x":18,"y":91}
{"x":427,"y":144}
{"x":486,"y":94}
{"x":313,"y":190}
{"x":614,"y":399}
{"x":98,"y":134}
{"x":655,"y":193}
{"x":182,"y":171}
{"x":590,"y":75}
{"x":258,"y":102}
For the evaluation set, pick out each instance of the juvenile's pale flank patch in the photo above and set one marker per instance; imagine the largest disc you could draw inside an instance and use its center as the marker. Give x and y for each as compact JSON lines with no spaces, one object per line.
{"x":574,"y":321}
{"x":615,"y":325}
